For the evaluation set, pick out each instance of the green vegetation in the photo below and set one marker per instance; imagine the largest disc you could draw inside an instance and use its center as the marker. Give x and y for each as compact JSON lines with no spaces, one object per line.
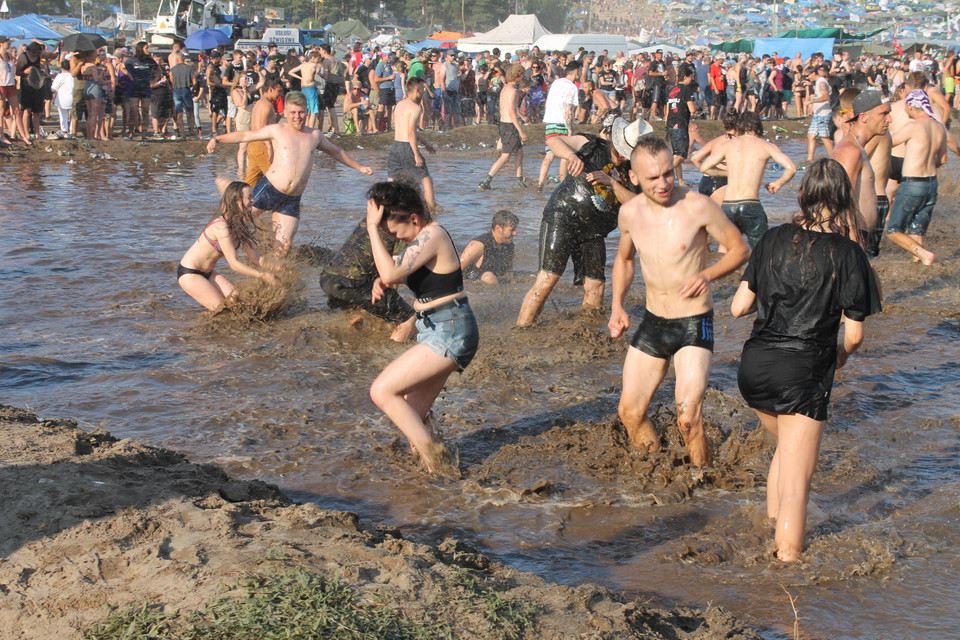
{"x":288,"y":601}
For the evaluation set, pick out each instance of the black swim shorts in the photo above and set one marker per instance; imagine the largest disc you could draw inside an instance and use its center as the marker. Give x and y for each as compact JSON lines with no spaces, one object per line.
{"x":402,"y":165}
{"x":559,"y":243}
{"x":783,"y":379}
{"x":680,"y":142}
{"x":510,"y":138}
{"x":896,"y":168}
{"x":883,"y":208}
{"x":709,"y":184}
{"x":663,"y":337}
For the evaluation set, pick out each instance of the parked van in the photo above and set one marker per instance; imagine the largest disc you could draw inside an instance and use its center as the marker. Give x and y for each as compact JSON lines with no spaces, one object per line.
{"x":572,"y":42}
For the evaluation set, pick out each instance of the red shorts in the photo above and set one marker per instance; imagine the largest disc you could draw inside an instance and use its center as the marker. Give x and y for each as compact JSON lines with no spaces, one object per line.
{"x":9,"y":91}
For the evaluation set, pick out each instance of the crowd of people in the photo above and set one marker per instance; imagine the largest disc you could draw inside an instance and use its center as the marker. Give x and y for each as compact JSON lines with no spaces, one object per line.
{"x":886,"y":142}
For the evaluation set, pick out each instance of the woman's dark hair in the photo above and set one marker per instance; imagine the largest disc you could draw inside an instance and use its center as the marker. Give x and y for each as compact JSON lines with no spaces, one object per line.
{"x":730,"y":119}
{"x":139,"y":51}
{"x":826,"y":200}
{"x":240,"y":220}
{"x":398,"y":200}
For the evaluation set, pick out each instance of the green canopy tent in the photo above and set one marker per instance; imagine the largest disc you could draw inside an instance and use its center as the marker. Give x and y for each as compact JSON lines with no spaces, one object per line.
{"x":351,"y":29}
{"x":416,"y":35}
{"x":837,"y":34}
{"x":734,"y":46}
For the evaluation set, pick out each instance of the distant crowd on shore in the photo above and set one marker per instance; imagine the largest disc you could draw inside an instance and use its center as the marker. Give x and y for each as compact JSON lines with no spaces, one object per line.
{"x":133,"y":92}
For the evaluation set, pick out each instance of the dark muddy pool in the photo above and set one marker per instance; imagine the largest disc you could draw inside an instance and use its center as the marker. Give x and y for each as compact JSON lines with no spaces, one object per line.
{"x":96,"y":328}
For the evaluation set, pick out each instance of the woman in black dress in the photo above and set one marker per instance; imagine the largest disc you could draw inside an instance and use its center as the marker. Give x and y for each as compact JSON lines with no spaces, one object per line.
{"x":803,"y":278}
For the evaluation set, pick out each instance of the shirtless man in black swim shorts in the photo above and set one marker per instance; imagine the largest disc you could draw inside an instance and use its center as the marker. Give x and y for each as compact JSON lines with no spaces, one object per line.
{"x":669,"y":227}
{"x":293,"y":145}
{"x":405,"y":162}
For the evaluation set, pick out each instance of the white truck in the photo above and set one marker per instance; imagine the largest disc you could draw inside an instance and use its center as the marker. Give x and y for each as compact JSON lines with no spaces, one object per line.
{"x":285,"y":39}
{"x":177,"y":19}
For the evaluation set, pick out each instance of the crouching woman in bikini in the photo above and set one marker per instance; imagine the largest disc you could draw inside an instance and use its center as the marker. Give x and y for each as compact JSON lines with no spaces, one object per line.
{"x":232,"y":227}
{"x":446,"y":328}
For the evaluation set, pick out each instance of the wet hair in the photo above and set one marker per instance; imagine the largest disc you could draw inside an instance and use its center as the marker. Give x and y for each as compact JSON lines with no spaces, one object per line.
{"x":505,"y":219}
{"x":413,"y":81}
{"x":749,"y":122}
{"x":826,"y":199}
{"x":295,"y":97}
{"x":399,"y":200}
{"x":241,"y":221}
{"x":730,"y":119}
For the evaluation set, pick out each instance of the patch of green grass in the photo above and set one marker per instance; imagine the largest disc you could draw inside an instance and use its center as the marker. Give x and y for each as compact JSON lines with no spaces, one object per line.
{"x":286,"y":602}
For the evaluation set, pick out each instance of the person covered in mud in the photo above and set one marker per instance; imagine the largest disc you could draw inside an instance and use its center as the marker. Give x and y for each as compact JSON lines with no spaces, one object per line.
{"x":233,"y":227}
{"x":350,"y":278}
{"x":583,"y":210}
{"x":489,"y":256}
{"x":669,"y":228}
{"x":446,"y":328}
{"x":293,"y":145}
{"x":746,"y":156}
{"x":803,"y":278}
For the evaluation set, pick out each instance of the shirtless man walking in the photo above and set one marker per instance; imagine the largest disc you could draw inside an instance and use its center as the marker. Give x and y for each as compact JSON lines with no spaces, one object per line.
{"x":871,"y":117}
{"x":405,"y":162}
{"x":746,"y":157}
{"x":293,"y":145}
{"x":512,"y":135}
{"x":669,"y":227}
{"x":925,"y":149}
{"x":260,"y":154}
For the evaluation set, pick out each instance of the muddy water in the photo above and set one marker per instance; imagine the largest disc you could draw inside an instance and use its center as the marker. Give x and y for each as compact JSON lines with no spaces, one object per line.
{"x":95,"y":328}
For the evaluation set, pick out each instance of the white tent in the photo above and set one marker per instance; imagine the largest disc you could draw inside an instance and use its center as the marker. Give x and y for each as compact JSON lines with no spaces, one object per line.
{"x":514,"y":33}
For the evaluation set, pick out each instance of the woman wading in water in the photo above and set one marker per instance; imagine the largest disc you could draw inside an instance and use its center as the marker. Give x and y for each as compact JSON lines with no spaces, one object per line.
{"x":802,"y":279}
{"x":233,"y":227}
{"x":446,"y":328}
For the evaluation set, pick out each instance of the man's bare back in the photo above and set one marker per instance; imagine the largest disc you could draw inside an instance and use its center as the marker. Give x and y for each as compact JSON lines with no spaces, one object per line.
{"x":306,"y":72}
{"x":406,"y":117}
{"x":925,"y":146}
{"x":746,"y":157}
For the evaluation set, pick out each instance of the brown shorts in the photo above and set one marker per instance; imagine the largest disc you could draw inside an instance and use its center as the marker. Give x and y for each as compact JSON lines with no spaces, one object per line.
{"x":258,"y":161}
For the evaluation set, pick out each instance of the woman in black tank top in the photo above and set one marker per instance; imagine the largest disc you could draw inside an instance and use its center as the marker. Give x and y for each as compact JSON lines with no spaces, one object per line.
{"x":446,"y":328}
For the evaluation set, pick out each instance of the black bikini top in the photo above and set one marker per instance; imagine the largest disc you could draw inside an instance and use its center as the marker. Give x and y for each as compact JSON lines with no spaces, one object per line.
{"x":427,"y":285}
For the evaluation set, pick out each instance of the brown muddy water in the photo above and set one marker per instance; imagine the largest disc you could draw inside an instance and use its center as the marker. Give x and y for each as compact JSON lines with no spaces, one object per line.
{"x":96,"y":328}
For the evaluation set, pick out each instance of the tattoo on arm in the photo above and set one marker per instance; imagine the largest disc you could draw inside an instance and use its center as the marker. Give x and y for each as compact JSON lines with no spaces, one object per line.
{"x":413,"y":250}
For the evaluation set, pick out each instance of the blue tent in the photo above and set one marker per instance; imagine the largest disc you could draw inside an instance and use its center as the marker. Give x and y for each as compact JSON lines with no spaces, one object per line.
{"x":788,"y":47}
{"x":413,"y":47}
{"x":28,"y":26}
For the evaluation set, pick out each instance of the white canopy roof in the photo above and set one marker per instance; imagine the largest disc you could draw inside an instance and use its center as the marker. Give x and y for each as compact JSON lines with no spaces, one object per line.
{"x":516,"y":32}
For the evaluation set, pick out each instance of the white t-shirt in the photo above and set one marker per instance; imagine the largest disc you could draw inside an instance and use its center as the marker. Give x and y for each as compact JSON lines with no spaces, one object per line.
{"x":822,"y":88}
{"x":62,"y":87}
{"x":562,"y":93}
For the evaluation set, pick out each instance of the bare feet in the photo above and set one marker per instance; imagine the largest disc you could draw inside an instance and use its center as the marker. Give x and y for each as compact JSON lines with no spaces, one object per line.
{"x":924,"y":256}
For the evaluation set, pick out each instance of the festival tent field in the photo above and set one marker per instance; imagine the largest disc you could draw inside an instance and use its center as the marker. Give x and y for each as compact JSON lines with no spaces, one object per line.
{"x":516,"y":32}
{"x":28,"y":26}
{"x":351,"y":29}
{"x":788,"y":47}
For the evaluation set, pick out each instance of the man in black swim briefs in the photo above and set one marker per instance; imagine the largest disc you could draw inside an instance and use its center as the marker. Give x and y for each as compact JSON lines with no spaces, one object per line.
{"x":669,"y":228}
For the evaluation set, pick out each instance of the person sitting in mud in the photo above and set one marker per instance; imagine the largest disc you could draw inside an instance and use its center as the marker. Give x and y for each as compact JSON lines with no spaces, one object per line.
{"x":804,"y":278}
{"x":446,"y":328}
{"x":351,"y":277}
{"x":356,"y":107}
{"x":582,"y":210}
{"x":293,"y":145}
{"x":669,"y":228}
{"x":714,"y":180}
{"x":746,"y":156}
{"x":489,"y":257}
{"x":233,"y":227}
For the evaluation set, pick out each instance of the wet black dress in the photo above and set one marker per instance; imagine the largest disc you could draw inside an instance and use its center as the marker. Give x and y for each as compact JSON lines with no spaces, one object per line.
{"x":803,"y":280}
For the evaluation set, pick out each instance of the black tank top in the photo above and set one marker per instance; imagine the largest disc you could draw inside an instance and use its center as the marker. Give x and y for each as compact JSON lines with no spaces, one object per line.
{"x":427,"y":285}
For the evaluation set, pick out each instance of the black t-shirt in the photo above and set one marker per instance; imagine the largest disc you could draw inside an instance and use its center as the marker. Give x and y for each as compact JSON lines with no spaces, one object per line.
{"x":804,"y":280}
{"x":678,"y":113}
{"x":363,"y":74}
{"x":836,"y":86}
{"x":590,"y":210}
{"x":607,"y":80}
{"x":657,"y":66}
{"x":233,"y":69}
{"x":497,"y":258}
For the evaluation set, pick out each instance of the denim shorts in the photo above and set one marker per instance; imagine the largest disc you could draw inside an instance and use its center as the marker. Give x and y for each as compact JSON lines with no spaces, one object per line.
{"x":913,"y":206}
{"x":450,"y":331}
{"x":749,"y":217}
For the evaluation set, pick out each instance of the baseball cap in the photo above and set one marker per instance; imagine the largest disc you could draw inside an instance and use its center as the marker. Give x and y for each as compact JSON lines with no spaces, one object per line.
{"x":625,"y":136}
{"x":867,"y":100}
{"x":34,"y":47}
